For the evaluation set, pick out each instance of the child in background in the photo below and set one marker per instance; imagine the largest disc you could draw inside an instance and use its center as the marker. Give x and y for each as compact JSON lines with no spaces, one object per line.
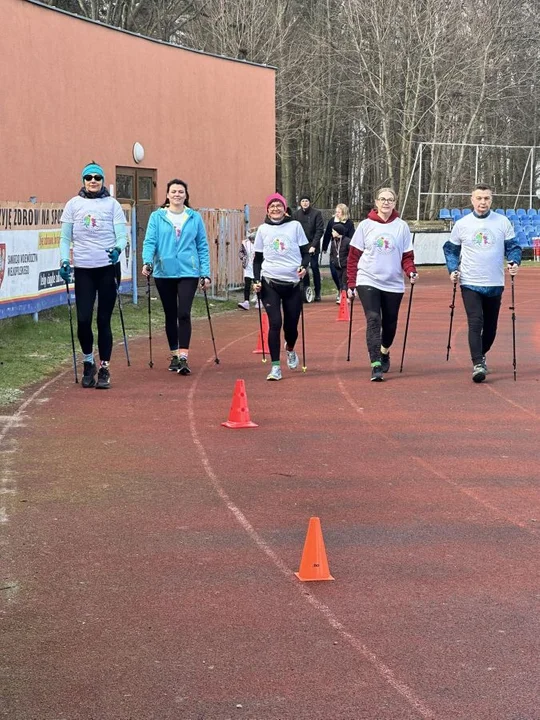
{"x":246,"y":254}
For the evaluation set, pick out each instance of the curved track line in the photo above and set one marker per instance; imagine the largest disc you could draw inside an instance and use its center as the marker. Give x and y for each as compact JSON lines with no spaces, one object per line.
{"x":383,"y":670}
{"x":457,"y":354}
{"x":490,"y":387}
{"x":423,"y":463}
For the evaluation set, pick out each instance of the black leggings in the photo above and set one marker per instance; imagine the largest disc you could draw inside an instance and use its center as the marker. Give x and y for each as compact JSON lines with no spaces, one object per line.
{"x":247,"y":287}
{"x":381,"y":309}
{"x":177,"y":298}
{"x":273,"y":295}
{"x":482,"y":317}
{"x":90,"y":282}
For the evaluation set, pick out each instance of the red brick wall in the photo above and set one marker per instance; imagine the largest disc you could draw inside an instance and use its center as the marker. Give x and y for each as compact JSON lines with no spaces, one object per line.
{"x":73,"y":91}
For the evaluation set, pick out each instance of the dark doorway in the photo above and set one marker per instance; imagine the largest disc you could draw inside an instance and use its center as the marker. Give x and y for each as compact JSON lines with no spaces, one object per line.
{"x":137,"y":186}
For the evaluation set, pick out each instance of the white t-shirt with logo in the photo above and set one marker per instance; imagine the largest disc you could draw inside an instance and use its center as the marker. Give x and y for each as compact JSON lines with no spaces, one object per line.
{"x":482,"y":248}
{"x":383,"y":245}
{"x":178,"y":220}
{"x":280,"y":245}
{"x":93,"y":222}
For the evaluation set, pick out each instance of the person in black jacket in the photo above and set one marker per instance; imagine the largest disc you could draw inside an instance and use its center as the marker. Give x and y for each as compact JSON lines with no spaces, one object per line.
{"x":339,"y":252}
{"x":312,"y":222}
{"x":341,"y":217}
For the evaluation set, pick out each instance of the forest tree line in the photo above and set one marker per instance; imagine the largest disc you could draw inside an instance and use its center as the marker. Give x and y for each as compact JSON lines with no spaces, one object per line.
{"x":360,"y":84}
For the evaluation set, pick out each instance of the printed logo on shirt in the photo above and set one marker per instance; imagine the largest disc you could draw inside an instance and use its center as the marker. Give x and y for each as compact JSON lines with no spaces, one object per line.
{"x":280,"y":245}
{"x":482,"y":240}
{"x":89,"y":221}
{"x":383,"y":244}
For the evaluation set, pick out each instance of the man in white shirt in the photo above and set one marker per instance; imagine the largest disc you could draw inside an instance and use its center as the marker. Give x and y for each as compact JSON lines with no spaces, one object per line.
{"x":475,"y":254}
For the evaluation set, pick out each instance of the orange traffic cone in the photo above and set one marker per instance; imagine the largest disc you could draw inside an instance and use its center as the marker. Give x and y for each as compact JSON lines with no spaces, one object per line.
{"x":314,"y":565}
{"x":265,"y":328}
{"x":239,"y":412}
{"x":343,"y":312}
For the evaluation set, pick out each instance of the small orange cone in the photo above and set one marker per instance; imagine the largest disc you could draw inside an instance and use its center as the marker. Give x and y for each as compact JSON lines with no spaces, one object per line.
{"x":343,"y":312}
{"x":314,"y":565}
{"x":239,"y":412}
{"x":265,"y":328}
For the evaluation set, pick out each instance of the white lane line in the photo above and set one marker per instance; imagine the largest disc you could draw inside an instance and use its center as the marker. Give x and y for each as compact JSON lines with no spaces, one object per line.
{"x":9,"y":476}
{"x":383,"y":670}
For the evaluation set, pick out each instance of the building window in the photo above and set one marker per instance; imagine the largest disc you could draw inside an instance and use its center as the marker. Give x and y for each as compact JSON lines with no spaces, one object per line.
{"x":145,"y":188}
{"x":125,"y":187}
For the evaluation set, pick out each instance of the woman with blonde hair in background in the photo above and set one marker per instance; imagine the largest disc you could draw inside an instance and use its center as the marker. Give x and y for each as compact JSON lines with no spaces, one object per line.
{"x":340,"y":217}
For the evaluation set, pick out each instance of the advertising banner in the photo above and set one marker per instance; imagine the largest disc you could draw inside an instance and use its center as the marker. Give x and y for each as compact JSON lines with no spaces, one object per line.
{"x":30,"y":258}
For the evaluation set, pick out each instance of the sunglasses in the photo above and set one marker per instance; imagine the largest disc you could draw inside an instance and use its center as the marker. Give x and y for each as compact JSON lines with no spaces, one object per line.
{"x":87,"y":178}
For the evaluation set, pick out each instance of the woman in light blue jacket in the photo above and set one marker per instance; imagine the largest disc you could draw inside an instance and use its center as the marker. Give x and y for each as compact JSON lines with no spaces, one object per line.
{"x":175,"y":251}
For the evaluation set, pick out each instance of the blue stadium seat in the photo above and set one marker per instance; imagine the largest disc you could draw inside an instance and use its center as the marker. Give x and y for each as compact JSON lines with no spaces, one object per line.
{"x":522,"y":239}
{"x":531,"y":212}
{"x":510,"y":212}
{"x":455,"y":213}
{"x":521,"y":212}
{"x":500,"y":211}
{"x":466,"y":211}
{"x":444,"y":214}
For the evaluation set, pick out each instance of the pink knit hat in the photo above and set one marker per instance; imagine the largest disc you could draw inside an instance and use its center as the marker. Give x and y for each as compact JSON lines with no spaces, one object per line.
{"x":276,"y":197}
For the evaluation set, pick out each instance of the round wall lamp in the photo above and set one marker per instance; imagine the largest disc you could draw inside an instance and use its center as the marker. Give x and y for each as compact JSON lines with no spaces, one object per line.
{"x":138,"y":152}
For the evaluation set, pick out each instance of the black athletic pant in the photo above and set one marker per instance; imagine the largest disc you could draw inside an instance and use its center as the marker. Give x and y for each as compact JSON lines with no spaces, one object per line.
{"x":90,"y":282}
{"x":482,"y":317}
{"x":247,"y":287}
{"x":338,"y":276}
{"x":273,"y":295}
{"x":381,"y":309}
{"x":314,"y":264}
{"x":177,"y":298}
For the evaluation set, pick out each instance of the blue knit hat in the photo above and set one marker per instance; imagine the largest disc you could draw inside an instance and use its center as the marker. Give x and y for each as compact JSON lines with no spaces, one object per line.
{"x":93,"y":169}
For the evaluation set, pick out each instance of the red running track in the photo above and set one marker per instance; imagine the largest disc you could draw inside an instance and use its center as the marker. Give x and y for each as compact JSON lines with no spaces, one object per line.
{"x":148,"y":553}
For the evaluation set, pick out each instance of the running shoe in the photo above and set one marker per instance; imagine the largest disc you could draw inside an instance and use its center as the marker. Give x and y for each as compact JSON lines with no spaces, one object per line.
{"x":103,"y":378}
{"x":292,"y":359}
{"x":479,"y":373}
{"x":377,"y":373}
{"x":173,"y":366}
{"x":275,"y":373}
{"x":183,"y":367}
{"x":89,"y":375}
{"x":385,"y":362}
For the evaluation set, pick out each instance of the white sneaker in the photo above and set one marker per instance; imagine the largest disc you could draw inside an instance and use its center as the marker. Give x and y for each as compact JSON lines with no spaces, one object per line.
{"x":292,"y":359}
{"x":275,"y":373}
{"x":244,"y":305}
{"x":338,"y":299}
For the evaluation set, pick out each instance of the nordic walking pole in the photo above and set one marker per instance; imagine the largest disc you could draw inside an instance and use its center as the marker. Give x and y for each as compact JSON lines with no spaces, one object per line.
{"x":350,"y":331}
{"x":72,"y":335}
{"x":216,"y":359}
{"x":513,"y":309}
{"x":406,"y":327}
{"x":260,"y":326}
{"x":121,"y":316}
{"x":452,"y":307}
{"x":150,"y":362}
{"x":304,"y":367}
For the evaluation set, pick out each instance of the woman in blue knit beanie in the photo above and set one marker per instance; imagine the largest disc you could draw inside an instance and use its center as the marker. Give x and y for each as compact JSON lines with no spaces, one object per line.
{"x":94,"y":224}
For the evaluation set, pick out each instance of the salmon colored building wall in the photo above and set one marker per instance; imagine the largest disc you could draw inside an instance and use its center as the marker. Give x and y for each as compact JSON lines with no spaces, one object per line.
{"x":74,"y":91}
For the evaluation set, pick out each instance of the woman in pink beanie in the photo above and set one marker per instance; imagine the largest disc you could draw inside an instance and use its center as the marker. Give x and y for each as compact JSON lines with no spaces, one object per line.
{"x":281,"y":259}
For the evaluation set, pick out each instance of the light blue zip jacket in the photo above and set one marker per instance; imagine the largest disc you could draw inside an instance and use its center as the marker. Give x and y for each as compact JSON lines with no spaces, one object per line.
{"x":171,"y":258}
